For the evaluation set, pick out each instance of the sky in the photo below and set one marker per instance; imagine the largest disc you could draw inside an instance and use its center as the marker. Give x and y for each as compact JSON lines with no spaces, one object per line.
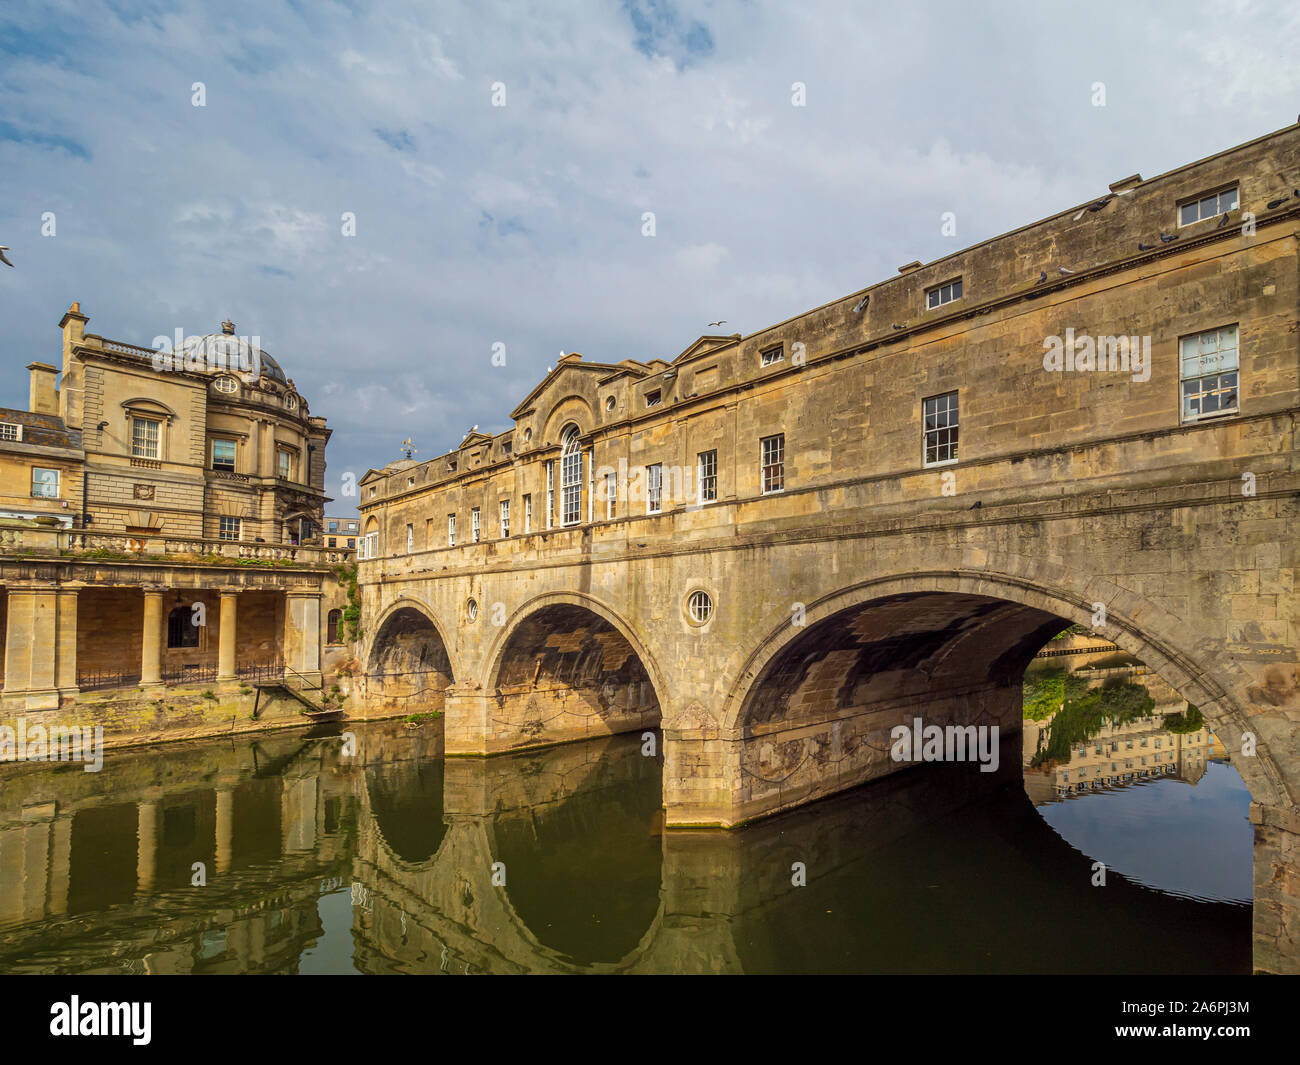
{"x":499,"y":161}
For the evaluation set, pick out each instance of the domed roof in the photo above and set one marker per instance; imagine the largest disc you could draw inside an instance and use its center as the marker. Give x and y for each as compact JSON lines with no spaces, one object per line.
{"x":226,"y":353}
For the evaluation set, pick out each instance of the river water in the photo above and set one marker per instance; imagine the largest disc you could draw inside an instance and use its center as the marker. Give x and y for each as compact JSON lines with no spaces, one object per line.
{"x":293,"y":852}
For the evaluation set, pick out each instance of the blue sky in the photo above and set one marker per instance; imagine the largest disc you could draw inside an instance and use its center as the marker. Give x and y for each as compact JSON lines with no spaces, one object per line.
{"x":521,"y":224}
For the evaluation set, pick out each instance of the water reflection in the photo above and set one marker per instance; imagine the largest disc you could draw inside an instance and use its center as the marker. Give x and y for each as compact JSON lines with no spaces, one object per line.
{"x":392,"y":860}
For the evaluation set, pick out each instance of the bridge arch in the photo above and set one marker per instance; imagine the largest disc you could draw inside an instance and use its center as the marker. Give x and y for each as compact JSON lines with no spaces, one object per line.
{"x":571,"y":661}
{"x":947,"y":623}
{"x":409,"y":662}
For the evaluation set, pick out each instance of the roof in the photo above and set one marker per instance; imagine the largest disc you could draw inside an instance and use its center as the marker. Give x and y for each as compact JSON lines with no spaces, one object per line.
{"x":227,"y":352}
{"x":44,"y":430}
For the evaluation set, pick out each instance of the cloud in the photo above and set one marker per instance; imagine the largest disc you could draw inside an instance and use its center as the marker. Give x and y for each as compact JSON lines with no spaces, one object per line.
{"x":522,"y":224}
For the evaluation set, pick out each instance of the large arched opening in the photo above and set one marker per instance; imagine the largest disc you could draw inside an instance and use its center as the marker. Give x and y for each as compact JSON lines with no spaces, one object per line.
{"x":566,"y":668}
{"x":409,"y":668}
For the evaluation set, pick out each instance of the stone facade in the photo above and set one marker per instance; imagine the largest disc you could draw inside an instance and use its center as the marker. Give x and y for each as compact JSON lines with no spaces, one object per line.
{"x":904,"y":496}
{"x":160,"y":523}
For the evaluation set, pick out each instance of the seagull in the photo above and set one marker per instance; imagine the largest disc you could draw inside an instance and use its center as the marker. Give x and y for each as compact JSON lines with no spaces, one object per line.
{"x":723,"y":322}
{"x":1063,"y":270}
{"x":1166,"y":239}
{"x":1041,"y":278}
{"x":4,"y":248}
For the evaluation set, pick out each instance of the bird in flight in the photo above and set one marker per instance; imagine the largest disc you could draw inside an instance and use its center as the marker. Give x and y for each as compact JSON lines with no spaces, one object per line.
{"x":4,"y":248}
{"x":723,"y":322}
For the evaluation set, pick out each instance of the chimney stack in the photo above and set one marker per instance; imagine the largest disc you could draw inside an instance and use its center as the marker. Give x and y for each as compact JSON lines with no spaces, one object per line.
{"x":44,"y":397}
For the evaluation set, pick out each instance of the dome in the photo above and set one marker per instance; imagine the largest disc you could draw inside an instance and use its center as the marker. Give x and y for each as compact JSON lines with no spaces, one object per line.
{"x":226,"y":353}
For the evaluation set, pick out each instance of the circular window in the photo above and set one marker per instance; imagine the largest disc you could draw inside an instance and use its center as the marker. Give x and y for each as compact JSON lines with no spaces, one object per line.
{"x":700,"y":607}
{"x":609,"y":403}
{"x":290,"y":401}
{"x":471,"y":609}
{"x":225,"y":384}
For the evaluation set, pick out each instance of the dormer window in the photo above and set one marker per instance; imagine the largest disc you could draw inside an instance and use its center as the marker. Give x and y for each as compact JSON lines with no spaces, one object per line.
{"x":941,"y":294}
{"x":653,"y":399}
{"x":1207,"y":205}
{"x":11,"y":431}
{"x":772,"y":355}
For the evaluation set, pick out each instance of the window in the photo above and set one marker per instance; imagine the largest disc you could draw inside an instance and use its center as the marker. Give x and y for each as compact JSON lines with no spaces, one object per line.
{"x":334,"y":626}
{"x":700,"y":607}
{"x":330,"y":542}
{"x":225,"y":384}
{"x":45,"y":483}
{"x":528,"y":513}
{"x":610,"y":402}
{"x":475,"y":526}
{"x":410,"y":538}
{"x":611,"y":496}
{"x":653,"y":399}
{"x":181,"y":628}
{"x":941,"y":294}
{"x":334,"y":526}
{"x":228,"y":528}
{"x":352,"y":541}
{"x":451,"y":530}
{"x":772,"y":355}
{"x":290,"y":401}
{"x":654,"y":479}
{"x":772,"y":455}
{"x":144,"y":437}
{"x":371,"y":544}
{"x":708,"y":476}
{"x":284,"y":464}
{"x":550,"y":490}
{"x":591,"y":485}
{"x":223,"y":456}
{"x":940,"y":432}
{"x":410,"y":482}
{"x":1208,"y":371}
{"x":1206,"y":206}
{"x":10,"y":431}
{"x":570,"y":477}
{"x":505,"y":518}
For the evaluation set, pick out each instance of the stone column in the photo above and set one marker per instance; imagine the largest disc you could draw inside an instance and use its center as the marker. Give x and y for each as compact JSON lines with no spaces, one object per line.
{"x":60,"y":863}
{"x":1277,"y":889}
{"x":302,"y":636}
{"x":146,"y":859}
{"x":151,"y":638}
{"x":65,"y":668}
{"x":226,"y":647}
{"x":31,"y":643}
{"x":225,"y":826}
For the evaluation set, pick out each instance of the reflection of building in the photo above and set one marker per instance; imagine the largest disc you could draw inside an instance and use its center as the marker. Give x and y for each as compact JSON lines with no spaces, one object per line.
{"x":1117,"y":755}
{"x":155,"y":520}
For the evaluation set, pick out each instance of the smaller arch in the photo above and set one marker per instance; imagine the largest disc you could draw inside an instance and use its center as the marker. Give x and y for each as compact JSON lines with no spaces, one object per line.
{"x":334,"y":626}
{"x":417,"y":606}
{"x":496,"y":652}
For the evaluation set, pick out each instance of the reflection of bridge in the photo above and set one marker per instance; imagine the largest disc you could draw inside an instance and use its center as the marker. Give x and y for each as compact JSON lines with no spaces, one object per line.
{"x":577,"y":828}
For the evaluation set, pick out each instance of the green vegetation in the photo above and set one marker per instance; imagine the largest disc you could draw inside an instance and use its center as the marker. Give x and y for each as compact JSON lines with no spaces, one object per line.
{"x":1046,"y":689}
{"x":208,"y":694}
{"x":1189,"y":720}
{"x":419,"y":719}
{"x":1117,"y":702}
{"x":347,"y":575}
{"x":1073,"y":630}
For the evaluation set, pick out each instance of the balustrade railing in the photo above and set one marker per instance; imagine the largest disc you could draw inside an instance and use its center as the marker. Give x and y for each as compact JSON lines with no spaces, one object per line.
{"x":109,"y":545}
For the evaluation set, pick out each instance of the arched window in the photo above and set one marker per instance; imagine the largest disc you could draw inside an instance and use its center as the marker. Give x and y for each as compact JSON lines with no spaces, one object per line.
{"x":181,"y":630}
{"x":570,"y":477}
{"x":334,"y":627}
